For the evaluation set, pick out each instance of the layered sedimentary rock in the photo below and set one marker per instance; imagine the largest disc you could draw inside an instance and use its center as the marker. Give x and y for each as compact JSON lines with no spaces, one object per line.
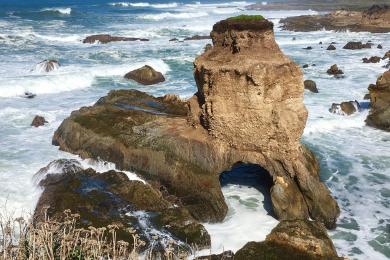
{"x":379,"y":115}
{"x":376,"y":19}
{"x":248,"y":109}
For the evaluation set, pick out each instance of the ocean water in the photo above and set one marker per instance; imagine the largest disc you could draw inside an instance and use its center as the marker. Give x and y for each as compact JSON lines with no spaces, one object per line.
{"x":355,"y":159}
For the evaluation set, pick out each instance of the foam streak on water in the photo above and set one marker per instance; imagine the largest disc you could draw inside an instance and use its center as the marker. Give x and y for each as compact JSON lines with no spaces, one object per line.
{"x":355,"y":159}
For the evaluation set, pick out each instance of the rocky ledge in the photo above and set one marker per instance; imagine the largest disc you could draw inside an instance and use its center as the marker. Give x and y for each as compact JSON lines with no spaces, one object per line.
{"x":379,"y":115}
{"x":248,"y":109}
{"x":376,"y":19}
{"x":106,"y":38}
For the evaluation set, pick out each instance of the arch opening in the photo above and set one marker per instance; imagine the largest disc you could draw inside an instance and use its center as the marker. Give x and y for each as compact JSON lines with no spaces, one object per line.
{"x":248,"y":175}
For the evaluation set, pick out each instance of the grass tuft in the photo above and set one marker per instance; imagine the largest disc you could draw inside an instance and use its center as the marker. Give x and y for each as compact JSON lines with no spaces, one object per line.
{"x":244,"y":17}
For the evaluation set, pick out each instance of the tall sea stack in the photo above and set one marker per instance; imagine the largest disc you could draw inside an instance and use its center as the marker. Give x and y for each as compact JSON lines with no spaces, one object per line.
{"x":248,"y":109}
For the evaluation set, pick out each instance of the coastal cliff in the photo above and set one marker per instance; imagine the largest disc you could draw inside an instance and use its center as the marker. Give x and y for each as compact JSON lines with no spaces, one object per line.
{"x":248,"y":109}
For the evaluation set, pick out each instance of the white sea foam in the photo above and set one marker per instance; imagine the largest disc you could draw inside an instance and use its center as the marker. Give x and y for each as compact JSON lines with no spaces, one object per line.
{"x":168,"y":15}
{"x":60,"y":10}
{"x":144,"y":4}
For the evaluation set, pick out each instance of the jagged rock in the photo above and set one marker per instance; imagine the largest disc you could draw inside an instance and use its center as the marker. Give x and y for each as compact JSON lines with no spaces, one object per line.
{"x":376,"y":20}
{"x":334,"y":70}
{"x":305,"y":66}
{"x":345,"y":108}
{"x":373,"y":59}
{"x":47,"y":66}
{"x":310,"y":85}
{"x":297,"y":239}
{"x":38,"y":121}
{"x":110,"y":197}
{"x":357,"y":46}
{"x":197,"y":37}
{"x":145,"y":76}
{"x":380,"y":46}
{"x":379,"y":115}
{"x":331,"y":48}
{"x":106,"y":38}
{"x":367,"y":97}
{"x":186,"y":145}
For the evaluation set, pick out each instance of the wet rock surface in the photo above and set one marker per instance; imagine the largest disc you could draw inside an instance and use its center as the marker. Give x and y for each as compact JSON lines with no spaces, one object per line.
{"x":345,"y":108}
{"x":103,"y":199}
{"x":197,"y":38}
{"x":357,"y":46}
{"x":106,"y":38}
{"x":334,"y":70}
{"x":310,"y":85}
{"x":373,"y":59}
{"x":375,"y":19}
{"x":146,"y":76}
{"x":184,"y":146}
{"x":379,"y":115}
{"x":38,"y":121}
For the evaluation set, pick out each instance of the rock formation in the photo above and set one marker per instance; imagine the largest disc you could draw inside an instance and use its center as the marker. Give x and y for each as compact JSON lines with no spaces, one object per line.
{"x":345,"y":108}
{"x":38,"y":121}
{"x":379,"y":115}
{"x":145,"y":76}
{"x":334,"y":70}
{"x":310,"y":85}
{"x":297,"y":239}
{"x":331,"y":48}
{"x":106,"y":38}
{"x":110,"y":197}
{"x":376,"y":19}
{"x":373,"y":59}
{"x":357,"y":46}
{"x":248,"y":109}
{"x":197,"y":38}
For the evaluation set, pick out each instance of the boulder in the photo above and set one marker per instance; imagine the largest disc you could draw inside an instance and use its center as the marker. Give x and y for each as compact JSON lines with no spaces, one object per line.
{"x":110,"y":197}
{"x":357,"y":46}
{"x":373,"y":59}
{"x":308,"y":48}
{"x":197,"y":38}
{"x":185,"y":146}
{"x":305,"y":66}
{"x":334,"y":70}
{"x":345,"y":108}
{"x":295,"y":239}
{"x":106,"y":38}
{"x":145,"y":76}
{"x":38,"y":121}
{"x":380,"y":46}
{"x":379,"y":115}
{"x":29,"y":95}
{"x":310,"y":85}
{"x":47,"y":66}
{"x":331,"y":48}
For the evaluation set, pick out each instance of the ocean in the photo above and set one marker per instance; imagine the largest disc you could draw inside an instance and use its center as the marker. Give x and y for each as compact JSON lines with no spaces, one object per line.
{"x":355,"y":159}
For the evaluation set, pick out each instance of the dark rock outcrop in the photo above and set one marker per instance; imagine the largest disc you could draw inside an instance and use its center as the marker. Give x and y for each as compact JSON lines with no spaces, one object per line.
{"x":106,"y":38}
{"x":105,"y":198}
{"x":357,"y":46}
{"x":145,"y":76}
{"x":373,"y":59}
{"x":298,"y":239}
{"x":310,"y":85}
{"x":305,"y":66}
{"x":38,"y":121}
{"x":379,"y":46}
{"x":184,"y":146}
{"x":334,"y":70}
{"x":331,"y":48}
{"x":376,"y":20}
{"x":379,"y":115}
{"x":197,"y":38}
{"x":226,"y":255}
{"x":345,"y":108}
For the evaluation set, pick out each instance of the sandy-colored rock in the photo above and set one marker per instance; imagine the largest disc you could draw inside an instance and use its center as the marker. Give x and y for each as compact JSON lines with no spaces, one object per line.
{"x":379,"y":115}
{"x":248,"y":108}
{"x":145,"y":76}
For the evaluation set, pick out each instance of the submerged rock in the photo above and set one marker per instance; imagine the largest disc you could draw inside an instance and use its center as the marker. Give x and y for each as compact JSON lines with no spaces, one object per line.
{"x":376,"y":20}
{"x":106,"y":38}
{"x":311,"y":85}
{"x":29,"y":95}
{"x":197,"y":38}
{"x":184,"y":146}
{"x":373,"y":59}
{"x":38,"y":121}
{"x":345,"y":108}
{"x":105,"y":198}
{"x":334,"y":70}
{"x":379,"y":115}
{"x":296,"y":239}
{"x":145,"y":76}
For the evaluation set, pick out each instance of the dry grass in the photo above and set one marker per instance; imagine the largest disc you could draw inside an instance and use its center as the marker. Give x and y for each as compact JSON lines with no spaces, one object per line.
{"x":21,"y":239}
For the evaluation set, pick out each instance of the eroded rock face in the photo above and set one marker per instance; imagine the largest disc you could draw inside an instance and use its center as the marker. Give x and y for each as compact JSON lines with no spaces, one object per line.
{"x":379,"y":115}
{"x":297,"y":239}
{"x":376,"y":20}
{"x":105,"y":198}
{"x":146,"y":76}
{"x":106,"y":38}
{"x":248,"y":108}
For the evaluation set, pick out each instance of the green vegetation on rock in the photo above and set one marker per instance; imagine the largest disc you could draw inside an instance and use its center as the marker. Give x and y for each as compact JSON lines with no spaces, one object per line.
{"x":245,"y":17}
